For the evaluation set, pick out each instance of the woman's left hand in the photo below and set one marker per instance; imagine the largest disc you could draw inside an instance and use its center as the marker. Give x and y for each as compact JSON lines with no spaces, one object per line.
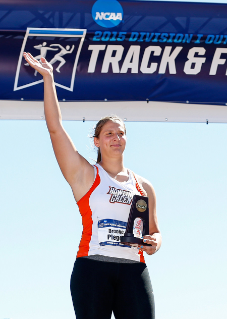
{"x":152,"y":240}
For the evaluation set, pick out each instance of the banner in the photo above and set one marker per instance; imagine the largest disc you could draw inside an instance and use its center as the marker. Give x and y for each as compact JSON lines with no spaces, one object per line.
{"x":116,"y":50}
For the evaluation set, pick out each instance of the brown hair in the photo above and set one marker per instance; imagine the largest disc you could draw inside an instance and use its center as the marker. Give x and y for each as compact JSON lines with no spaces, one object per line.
{"x":100,"y":125}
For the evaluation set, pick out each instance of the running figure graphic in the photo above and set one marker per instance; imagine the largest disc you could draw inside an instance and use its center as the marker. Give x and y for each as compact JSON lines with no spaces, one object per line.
{"x":58,"y":56}
{"x":43,"y":51}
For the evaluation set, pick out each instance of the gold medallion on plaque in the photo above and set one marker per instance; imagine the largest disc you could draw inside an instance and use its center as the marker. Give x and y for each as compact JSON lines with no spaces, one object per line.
{"x":141,"y":205}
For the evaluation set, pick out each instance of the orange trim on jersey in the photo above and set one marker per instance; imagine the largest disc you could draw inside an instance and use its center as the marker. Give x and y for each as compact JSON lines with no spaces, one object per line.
{"x":87,"y":221}
{"x":138,"y":186}
{"x":142,"y":260}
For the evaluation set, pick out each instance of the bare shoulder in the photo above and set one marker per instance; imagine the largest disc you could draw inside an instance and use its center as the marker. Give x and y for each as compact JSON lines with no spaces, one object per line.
{"x":146,"y":186}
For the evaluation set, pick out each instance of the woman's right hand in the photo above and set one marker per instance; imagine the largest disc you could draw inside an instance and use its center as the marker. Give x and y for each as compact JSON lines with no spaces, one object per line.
{"x":42,"y":66}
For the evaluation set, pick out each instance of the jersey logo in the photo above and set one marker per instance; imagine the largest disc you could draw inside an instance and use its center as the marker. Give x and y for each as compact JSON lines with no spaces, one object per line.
{"x":120,"y":196}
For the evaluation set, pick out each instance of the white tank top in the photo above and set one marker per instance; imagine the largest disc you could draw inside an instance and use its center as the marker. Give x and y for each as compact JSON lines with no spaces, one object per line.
{"x":105,"y":210}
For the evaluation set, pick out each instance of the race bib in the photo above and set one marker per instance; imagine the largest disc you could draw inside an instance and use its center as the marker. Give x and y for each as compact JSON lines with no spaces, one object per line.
{"x":110,"y":232}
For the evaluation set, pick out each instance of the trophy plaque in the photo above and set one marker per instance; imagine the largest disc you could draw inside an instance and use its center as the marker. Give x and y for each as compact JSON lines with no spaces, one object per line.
{"x":139,"y":209}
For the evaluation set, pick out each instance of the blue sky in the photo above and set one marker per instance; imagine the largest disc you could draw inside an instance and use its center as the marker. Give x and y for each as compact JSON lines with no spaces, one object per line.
{"x":40,"y":225}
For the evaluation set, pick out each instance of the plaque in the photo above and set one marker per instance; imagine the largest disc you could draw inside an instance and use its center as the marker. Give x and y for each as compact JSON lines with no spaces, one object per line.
{"x":139,"y":209}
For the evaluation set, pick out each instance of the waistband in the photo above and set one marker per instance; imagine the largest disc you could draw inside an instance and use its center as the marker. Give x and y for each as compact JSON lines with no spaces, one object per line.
{"x":111,"y":259}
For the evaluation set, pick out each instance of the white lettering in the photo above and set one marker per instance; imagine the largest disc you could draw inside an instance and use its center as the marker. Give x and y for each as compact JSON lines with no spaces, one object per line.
{"x":112,"y":16}
{"x":94,"y":56}
{"x":217,"y":61}
{"x":196,"y":61}
{"x":114,"y":53}
{"x":99,"y":15}
{"x":131,"y":60}
{"x":108,"y":16}
{"x":119,"y":16}
{"x":114,"y":60}
{"x":144,"y":64}
{"x":169,"y":59}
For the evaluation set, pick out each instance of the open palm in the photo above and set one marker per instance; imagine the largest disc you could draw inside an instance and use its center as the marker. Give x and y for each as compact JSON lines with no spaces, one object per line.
{"x":42,"y":66}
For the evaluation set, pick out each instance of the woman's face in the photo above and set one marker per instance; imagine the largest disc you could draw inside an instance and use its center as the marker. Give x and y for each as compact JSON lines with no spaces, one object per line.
{"x":112,"y":139}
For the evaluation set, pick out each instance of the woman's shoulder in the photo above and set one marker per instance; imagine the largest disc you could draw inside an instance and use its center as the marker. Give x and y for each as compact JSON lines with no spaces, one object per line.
{"x":145,"y":185}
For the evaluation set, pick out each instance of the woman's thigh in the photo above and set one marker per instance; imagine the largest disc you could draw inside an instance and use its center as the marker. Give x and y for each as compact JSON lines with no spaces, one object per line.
{"x":134,"y":297}
{"x":92,"y":289}
{"x":99,"y":287}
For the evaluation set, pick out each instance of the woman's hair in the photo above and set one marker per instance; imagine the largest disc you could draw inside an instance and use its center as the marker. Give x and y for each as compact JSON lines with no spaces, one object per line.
{"x":100,"y":125}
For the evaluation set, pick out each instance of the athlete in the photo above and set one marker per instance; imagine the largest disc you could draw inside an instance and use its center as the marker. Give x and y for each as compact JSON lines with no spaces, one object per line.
{"x":58,"y":57}
{"x":108,"y":276}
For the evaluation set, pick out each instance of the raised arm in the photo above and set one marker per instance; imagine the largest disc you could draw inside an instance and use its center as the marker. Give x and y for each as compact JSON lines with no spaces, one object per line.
{"x":75,"y":168}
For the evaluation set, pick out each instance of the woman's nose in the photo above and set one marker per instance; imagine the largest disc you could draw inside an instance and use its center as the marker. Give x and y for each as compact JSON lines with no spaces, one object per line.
{"x":117,"y":136}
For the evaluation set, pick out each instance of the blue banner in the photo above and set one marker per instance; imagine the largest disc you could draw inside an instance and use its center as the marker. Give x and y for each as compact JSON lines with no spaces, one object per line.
{"x":116,"y":50}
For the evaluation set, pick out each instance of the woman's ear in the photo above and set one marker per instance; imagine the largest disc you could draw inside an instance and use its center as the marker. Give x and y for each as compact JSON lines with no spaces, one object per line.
{"x":96,"y":141}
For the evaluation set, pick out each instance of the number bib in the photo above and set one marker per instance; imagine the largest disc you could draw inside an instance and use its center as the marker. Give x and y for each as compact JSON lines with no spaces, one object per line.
{"x":110,"y":232}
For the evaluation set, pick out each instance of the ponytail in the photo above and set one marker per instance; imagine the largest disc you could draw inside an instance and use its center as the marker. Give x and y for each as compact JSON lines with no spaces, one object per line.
{"x":98,"y":156}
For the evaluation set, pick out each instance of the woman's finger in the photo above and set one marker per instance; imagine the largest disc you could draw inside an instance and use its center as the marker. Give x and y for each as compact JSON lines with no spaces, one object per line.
{"x":32,"y":61}
{"x":29,"y":59}
{"x":150,"y":242}
{"x":42,"y":66}
{"x":27,"y":56}
{"x":150,"y":250}
{"x":43,"y":60}
{"x":32,"y":58}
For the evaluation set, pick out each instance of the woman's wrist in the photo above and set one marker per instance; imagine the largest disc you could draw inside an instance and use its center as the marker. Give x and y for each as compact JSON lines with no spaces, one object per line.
{"x":48,"y":77}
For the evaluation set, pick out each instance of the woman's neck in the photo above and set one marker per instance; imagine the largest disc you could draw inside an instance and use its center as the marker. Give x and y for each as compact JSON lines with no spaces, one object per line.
{"x":114,"y":167}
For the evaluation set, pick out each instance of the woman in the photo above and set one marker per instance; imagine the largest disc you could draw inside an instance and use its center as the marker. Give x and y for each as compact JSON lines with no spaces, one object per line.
{"x":107,"y":276}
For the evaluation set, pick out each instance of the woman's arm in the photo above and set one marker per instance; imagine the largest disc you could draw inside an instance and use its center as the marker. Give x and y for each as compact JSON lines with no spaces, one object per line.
{"x":75,"y":168}
{"x":154,"y":238}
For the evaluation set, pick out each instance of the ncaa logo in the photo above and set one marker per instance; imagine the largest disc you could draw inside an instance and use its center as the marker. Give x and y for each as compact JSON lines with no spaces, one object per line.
{"x":107,"y":14}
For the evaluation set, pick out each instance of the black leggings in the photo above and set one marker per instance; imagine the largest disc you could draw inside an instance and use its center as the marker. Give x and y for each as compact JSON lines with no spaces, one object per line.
{"x":100,"y":287}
